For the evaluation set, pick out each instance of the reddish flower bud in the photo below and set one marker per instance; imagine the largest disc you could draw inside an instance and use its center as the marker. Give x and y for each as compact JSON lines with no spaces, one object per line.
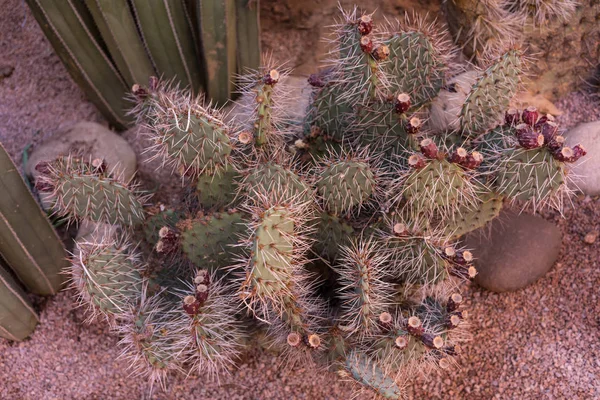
{"x":366,"y":44}
{"x":416,"y":161}
{"x":191,"y":305}
{"x":512,"y":117}
{"x":454,"y":302}
{"x":414,"y":326}
{"x":549,"y":129}
{"x":556,"y":144}
{"x":578,"y":152}
{"x":428,"y":148}
{"x":316,"y":80}
{"x":401,"y":342}
{"x":530,"y":115}
{"x":473,"y":160}
{"x":365,"y":25}
{"x":381,"y":53}
{"x":43,"y":167}
{"x":413,"y":125}
{"x":271,"y":78}
{"x":293,"y":339}
{"x":528,"y":138}
{"x":402,"y":103}
{"x":459,"y":156}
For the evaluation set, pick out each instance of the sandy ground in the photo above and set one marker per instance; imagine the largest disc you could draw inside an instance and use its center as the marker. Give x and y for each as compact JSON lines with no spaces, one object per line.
{"x":539,"y":343}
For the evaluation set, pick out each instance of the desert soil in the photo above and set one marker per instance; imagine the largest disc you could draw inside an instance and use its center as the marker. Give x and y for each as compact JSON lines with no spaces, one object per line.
{"x":538,"y":343}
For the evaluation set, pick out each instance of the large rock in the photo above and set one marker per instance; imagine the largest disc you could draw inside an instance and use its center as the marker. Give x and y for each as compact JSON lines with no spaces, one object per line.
{"x":586,"y":171}
{"x":86,"y":139}
{"x":516,"y":251}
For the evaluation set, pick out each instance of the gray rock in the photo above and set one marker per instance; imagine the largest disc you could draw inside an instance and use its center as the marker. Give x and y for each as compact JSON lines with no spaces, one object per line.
{"x":446,"y":107}
{"x":517,"y":250}
{"x":86,"y":139}
{"x":586,"y":171}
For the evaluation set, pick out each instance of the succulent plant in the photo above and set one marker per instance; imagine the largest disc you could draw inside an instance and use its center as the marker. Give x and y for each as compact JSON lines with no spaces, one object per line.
{"x":109,"y":45}
{"x":338,"y":233}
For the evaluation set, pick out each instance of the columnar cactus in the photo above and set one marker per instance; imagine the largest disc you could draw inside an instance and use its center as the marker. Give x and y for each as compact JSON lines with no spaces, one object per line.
{"x":338,"y":232}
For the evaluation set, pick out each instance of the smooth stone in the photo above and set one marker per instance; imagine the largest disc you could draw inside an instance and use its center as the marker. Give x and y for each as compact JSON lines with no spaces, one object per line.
{"x":585,"y":172}
{"x":86,"y":139}
{"x":446,"y":107}
{"x":514,"y":252}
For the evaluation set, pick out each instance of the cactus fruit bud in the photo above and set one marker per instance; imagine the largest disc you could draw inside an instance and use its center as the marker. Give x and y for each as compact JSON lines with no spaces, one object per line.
{"x":473,"y":160}
{"x":467,"y":256}
{"x":168,"y":240}
{"x":444,"y":363}
{"x":416,"y":161}
{"x":472,"y":272}
{"x":402,"y":103}
{"x":385,"y":318}
{"x":528,"y":138}
{"x":549,"y":130}
{"x":413,"y":125}
{"x":429,"y":148}
{"x":414,"y":326}
{"x":530,"y":115}
{"x":271,"y":78}
{"x":381,"y":52}
{"x":245,"y":137}
{"x":366,"y":44}
{"x":316,"y":80}
{"x":400,"y":229}
{"x":454,"y":302}
{"x":556,"y":143}
{"x":512,"y":116}
{"x":459,"y":156}
{"x":578,"y":152}
{"x":564,"y":154}
{"x":401,"y":342}
{"x":365,"y":25}
{"x":433,"y":342}
{"x":314,"y":341}
{"x":99,"y":164}
{"x":191,"y":305}
{"x":202,"y":277}
{"x":450,"y":251}
{"x":201,"y":293}
{"x":293,"y":339}
{"x":139,"y":92}
{"x":453,"y":321}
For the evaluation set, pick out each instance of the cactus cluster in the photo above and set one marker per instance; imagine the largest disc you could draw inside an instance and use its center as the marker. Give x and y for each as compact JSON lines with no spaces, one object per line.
{"x":335,"y":236}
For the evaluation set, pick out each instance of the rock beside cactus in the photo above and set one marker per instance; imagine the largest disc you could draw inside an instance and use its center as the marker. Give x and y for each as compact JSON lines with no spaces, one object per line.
{"x":86,"y":139}
{"x":586,"y":172}
{"x":514,"y":252}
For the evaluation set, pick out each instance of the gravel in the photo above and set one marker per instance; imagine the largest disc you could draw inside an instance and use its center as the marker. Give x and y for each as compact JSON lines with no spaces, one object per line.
{"x":538,"y":343}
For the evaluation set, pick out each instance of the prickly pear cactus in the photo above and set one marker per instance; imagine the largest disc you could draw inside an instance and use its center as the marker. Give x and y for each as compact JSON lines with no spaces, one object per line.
{"x":338,"y":232}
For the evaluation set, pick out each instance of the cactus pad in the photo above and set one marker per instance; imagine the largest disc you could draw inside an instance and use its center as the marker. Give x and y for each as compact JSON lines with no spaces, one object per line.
{"x":156,"y":220}
{"x":346,"y":184}
{"x":332,"y":232}
{"x":107,"y":276}
{"x":532,"y":176}
{"x":208,"y":240}
{"x":466,"y":220}
{"x":370,"y":375}
{"x":217,"y":188}
{"x":416,"y":66}
{"x":491,"y":94}
{"x":276,"y":179}
{"x":83,"y":192}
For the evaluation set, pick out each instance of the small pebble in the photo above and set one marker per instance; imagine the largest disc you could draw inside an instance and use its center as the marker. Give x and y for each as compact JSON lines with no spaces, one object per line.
{"x":591,"y":237}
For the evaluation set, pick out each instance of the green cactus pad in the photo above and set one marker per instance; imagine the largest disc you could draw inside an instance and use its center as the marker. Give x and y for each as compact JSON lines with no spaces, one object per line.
{"x":370,"y":375}
{"x":273,"y":178}
{"x":438,"y":187}
{"x":345,"y":184}
{"x":83,"y":194}
{"x":468,"y":219}
{"x":530,"y":175}
{"x":216,"y":189}
{"x":382,"y":129}
{"x":331,"y":233}
{"x":272,"y":253}
{"x":386,"y":351}
{"x":491,"y":95}
{"x":195,"y":143}
{"x":107,"y":276}
{"x":329,"y":112}
{"x":415,"y":66}
{"x":208,"y":241}
{"x":417,"y":260}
